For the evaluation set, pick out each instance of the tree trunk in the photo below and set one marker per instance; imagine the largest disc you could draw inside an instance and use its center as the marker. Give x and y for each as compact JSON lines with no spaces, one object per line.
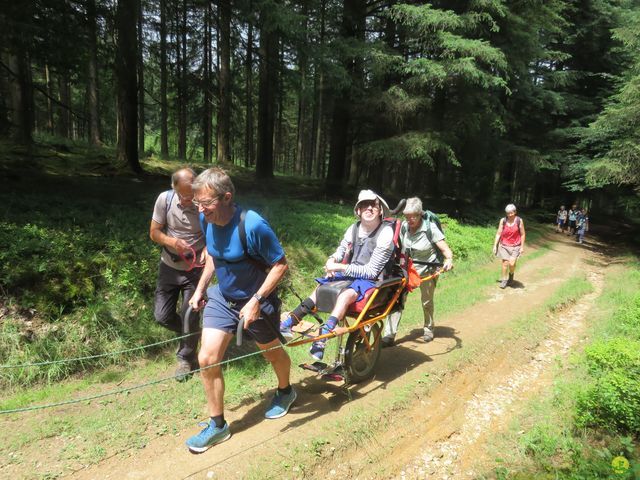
{"x":49,"y":90}
{"x":353,"y":20}
{"x":127,"y":85}
{"x":21,"y":97}
{"x":248,"y":131}
{"x":63,"y":127}
{"x":266,"y":101}
{"x":224,"y":81}
{"x":140,"y":69}
{"x":164,"y":115}
{"x":300,"y":160}
{"x":181,"y":45}
{"x":5,"y":97}
{"x":279,"y":147}
{"x":92,"y":77}
{"x":316,"y":143}
{"x":207,"y":86}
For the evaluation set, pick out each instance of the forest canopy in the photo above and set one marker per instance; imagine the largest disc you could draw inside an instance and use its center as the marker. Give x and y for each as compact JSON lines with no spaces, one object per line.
{"x":491,"y":100}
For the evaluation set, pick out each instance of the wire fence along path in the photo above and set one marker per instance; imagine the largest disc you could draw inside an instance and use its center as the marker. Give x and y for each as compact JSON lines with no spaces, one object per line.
{"x":135,"y":387}
{"x":93,"y":357}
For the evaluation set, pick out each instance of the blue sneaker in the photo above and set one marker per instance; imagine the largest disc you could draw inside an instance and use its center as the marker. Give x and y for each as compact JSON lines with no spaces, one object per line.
{"x":207,"y":438}
{"x":317,"y":349}
{"x":280,"y":404}
{"x":285,"y":327}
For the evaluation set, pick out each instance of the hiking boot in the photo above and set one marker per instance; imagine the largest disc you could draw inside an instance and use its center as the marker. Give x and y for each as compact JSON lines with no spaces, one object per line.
{"x":183,"y":372}
{"x":280,"y":404}
{"x":387,"y":342}
{"x":428,"y":335}
{"x":285,"y":327}
{"x":503,"y":283}
{"x":317,"y":349}
{"x":510,"y":280}
{"x":207,"y":438}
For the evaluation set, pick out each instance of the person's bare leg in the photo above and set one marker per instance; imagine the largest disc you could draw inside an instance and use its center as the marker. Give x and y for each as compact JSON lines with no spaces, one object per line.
{"x":214,"y":344}
{"x":343,"y":302}
{"x":279,"y":360}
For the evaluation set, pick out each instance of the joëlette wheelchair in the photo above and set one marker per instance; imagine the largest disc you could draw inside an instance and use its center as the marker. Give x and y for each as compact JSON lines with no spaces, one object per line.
{"x":363,"y":324}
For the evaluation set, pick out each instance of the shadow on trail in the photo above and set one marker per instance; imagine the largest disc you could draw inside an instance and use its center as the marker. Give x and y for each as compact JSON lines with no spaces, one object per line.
{"x":318,"y":397}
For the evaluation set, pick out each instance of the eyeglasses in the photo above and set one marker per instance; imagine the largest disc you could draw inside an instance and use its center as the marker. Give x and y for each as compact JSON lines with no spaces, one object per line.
{"x":368,"y":204}
{"x":208,"y":203}
{"x":411,"y":216}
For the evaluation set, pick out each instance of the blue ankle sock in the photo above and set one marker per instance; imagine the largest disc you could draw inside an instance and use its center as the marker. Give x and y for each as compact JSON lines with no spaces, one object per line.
{"x":331,"y":323}
{"x":288,"y":322}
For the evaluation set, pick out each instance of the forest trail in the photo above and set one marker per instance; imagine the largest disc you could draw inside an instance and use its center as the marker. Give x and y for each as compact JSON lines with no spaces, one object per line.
{"x":440,"y":436}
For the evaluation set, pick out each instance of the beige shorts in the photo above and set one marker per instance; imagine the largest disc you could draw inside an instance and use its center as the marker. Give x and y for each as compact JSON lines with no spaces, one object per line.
{"x":508,"y":253}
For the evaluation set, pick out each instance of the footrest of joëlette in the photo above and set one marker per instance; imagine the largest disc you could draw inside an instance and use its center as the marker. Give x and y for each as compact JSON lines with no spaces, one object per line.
{"x":330,"y":373}
{"x":306,"y":329}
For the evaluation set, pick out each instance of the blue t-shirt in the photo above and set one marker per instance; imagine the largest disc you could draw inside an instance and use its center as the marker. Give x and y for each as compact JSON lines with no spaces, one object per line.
{"x":238,"y":277}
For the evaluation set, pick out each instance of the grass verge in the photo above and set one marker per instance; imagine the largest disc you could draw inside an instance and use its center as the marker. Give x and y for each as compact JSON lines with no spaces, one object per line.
{"x":587,"y":426}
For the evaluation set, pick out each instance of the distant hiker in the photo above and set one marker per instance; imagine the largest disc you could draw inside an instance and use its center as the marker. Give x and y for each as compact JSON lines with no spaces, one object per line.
{"x":175,"y":226}
{"x":573,"y":216}
{"x":362,"y":262}
{"x":424,"y":242}
{"x":582,"y":225}
{"x":509,"y":243}
{"x":561,"y":219}
{"x":249,"y":262}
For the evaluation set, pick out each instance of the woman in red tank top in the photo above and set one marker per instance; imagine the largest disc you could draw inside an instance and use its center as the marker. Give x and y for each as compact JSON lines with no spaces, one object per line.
{"x":509,"y":243}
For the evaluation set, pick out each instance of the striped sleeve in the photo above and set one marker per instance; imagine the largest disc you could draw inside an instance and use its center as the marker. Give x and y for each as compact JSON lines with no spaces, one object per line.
{"x":379,"y":258}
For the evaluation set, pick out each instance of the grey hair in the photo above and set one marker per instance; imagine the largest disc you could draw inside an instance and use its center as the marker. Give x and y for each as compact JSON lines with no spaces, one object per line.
{"x":215,"y":179}
{"x":184,"y":174}
{"x":510,"y":208}
{"x":413,"y":206}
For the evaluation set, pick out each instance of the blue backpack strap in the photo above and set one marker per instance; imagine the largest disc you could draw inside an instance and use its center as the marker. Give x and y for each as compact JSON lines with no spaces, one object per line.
{"x":242,"y":232}
{"x":169,"y":198}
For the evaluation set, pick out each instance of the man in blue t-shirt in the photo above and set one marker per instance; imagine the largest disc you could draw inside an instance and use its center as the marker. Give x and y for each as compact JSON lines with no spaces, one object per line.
{"x":245,"y":289}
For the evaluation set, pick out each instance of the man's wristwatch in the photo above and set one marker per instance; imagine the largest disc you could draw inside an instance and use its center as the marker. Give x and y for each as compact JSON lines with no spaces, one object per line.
{"x":259,"y":298}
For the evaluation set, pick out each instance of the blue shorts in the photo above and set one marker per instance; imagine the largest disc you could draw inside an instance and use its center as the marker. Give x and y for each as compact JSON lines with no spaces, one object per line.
{"x":222,"y":314}
{"x":360,"y":285}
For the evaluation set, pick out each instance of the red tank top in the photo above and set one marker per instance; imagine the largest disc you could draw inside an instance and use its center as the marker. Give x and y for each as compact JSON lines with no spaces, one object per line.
{"x":511,"y":233}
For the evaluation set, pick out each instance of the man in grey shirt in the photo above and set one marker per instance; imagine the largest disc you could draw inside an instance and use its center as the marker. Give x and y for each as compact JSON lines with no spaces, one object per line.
{"x":175,"y":226}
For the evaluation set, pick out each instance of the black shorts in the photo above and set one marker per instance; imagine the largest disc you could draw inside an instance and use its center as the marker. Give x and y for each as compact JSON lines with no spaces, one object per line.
{"x":222,"y":314}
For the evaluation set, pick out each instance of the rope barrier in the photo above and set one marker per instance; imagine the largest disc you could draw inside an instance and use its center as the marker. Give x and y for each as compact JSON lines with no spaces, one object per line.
{"x":93,"y":357}
{"x":135,"y":387}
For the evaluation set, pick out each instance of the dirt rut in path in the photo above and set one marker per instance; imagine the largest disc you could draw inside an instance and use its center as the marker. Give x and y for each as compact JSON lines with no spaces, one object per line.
{"x":256,"y":440}
{"x":492,"y":403}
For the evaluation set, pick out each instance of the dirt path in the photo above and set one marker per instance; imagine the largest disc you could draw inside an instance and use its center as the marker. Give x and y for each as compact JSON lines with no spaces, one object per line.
{"x":438,"y":437}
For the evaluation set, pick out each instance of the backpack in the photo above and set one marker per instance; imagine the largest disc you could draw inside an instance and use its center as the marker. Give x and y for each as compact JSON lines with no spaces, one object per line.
{"x":169,"y":198}
{"x":431,"y":217}
{"x":394,"y":260}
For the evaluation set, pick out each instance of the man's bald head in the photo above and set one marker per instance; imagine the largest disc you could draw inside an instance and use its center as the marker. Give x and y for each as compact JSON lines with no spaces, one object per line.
{"x":182,"y":176}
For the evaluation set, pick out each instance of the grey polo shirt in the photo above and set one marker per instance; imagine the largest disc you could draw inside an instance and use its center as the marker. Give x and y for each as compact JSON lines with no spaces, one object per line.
{"x":179,"y":222}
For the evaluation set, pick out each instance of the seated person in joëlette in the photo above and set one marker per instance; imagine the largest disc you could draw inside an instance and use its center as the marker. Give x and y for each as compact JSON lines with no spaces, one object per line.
{"x":363,"y":264}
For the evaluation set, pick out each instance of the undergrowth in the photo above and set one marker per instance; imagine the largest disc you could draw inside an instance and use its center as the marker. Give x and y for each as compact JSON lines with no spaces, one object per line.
{"x":78,"y":271}
{"x":588,"y":426}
